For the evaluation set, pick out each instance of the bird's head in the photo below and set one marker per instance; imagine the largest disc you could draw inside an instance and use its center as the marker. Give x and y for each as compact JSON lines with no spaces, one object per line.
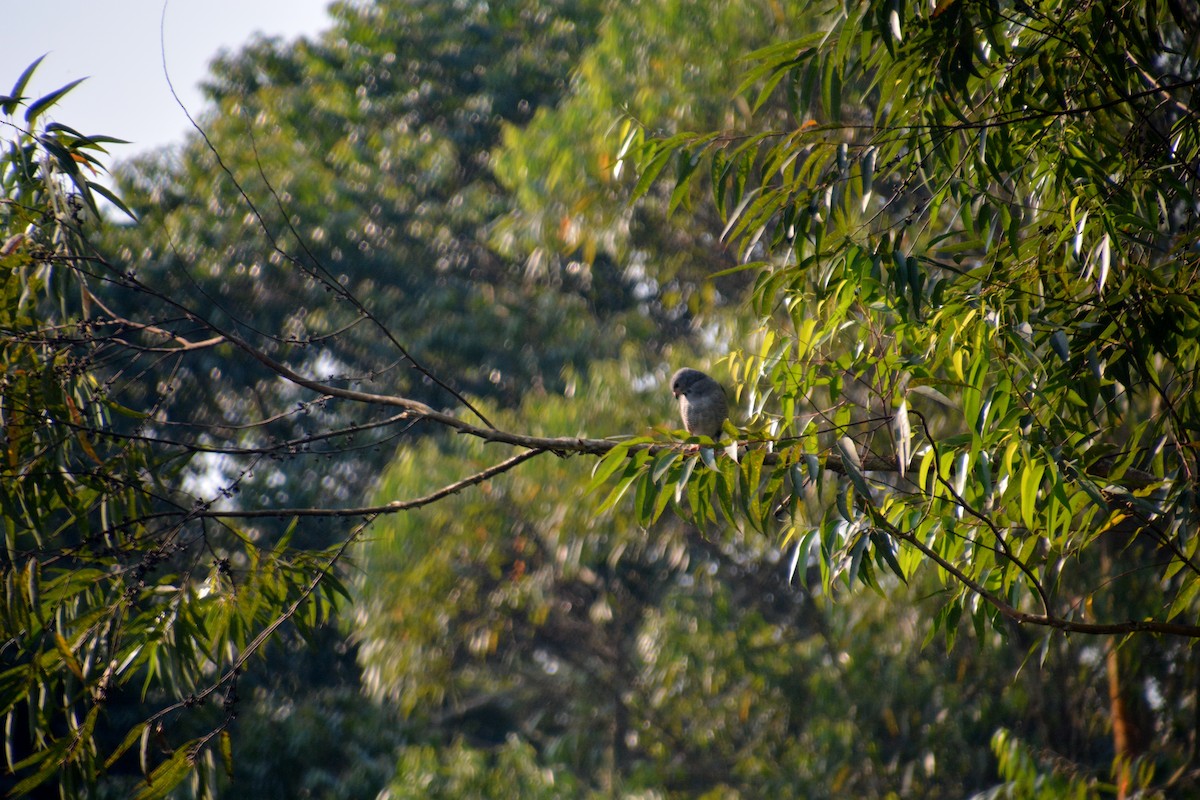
{"x":683,"y":380}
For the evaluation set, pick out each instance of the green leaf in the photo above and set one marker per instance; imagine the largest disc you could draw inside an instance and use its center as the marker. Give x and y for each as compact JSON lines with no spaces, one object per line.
{"x":726,"y":480}
{"x":1060,"y":345}
{"x":42,"y":103}
{"x":632,"y":470}
{"x":662,"y":500}
{"x":612,"y":461}
{"x":831,"y":91}
{"x":883,"y":547}
{"x":82,"y":140}
{"x":768,"y":88}
{"x":853,"y":465}
{"x":333,"y":586}
{"x":644,"y":499}
{"x":9,"y":104}
{"x":169,"y":774}
{"x":70,"y":167}
{"x":662,"y":464}
{"x":68,"y":657}
{"x":132,"y":736}
{"x":49,"y":757}
{"x":749,"y":265}
{"x":1185,"y":598}
{"x":856,"y":558}
{"x":225,"y":743}
{"x":50,"y":760}
{"x":845,"y":502}
{"x":717,"y":173}
{"x":1031,"y":481}
{"x":685,"y":474}
{"x":662,"y":155}
{"x":112,"y":198}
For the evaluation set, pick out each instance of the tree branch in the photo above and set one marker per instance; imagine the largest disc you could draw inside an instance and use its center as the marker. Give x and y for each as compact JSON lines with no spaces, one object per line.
{"x":1045,"y":620}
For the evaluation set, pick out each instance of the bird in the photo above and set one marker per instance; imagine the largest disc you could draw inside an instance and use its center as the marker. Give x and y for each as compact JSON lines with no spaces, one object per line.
{"x":702,"y":402}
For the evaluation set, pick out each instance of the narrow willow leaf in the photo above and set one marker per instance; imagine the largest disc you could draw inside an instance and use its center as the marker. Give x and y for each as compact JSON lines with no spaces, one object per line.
{"x":662,"y":463}
{"x":856,"y":558}
{"x":651,"y":171}
{"x":902,"y":437}
{"x":794,"y":560}
{"x":743,"y":267}
{"x":168,"y":775}
{"x":112,"y":198}
{"x":42,"y":103}
{"x":685,"y":474}
{"x":33,"y":586}
{"x":50,"y":760}
{"x":144,"y":749}
{"x":1060,"y":345}
{"x":736,"y":216}
{"x":808,"y":552}
{"x":853,"y":465}
{"x":83,"y":140}
{"x":9,"y":104}
{"x":612,"y":461}
{"x":698,"y":494}
{"x":1104,"y":254}
{"x":813,"y":464}
{"x":768,"y":88}
{"x":68,"y":657}
{"x":632,"y":470}
{"x":725,"y":481}
{"x":868,"y":176}
{"x":132,"y":736}
{"x":1184,"y":599}
{"x":1031,"y":481}
{"x":54,"y":753}
{"x":630,"y":134}
{"x":844,"y":502}
{"x":225,"y":743}
{"x":883,"y":547}
{"x":831,"y":90}
{"x":644,"y":497}
{"x":661,"y":501}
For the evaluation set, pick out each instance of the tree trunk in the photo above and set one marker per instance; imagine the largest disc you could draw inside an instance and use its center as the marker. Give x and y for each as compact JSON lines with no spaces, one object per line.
{"x":1124,"y":727}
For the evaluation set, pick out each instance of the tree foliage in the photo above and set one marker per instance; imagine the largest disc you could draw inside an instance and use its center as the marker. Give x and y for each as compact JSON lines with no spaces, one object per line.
{"x":965,"y":366}
{"x":978,"y":322}
{"x":990,"y":327}
{"x":665,"y":64}
{"x":112,"y":589}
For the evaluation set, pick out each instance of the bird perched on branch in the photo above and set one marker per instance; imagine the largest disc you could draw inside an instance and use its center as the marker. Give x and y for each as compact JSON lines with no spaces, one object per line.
{"x":702,"y":402}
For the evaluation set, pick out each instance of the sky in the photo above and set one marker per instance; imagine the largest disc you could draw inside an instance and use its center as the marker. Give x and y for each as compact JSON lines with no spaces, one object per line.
{"x":116,"y":45}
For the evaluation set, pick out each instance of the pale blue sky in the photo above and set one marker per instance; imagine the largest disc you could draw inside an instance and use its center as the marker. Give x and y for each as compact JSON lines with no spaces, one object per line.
{"x":115,"y":44}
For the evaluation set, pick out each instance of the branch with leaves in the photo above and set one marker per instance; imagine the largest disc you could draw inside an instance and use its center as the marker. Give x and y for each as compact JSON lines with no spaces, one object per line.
{"x":949,"y":230}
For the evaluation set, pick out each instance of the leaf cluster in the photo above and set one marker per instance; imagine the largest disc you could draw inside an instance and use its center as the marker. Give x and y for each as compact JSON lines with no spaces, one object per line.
{"x":975,"y":291}
{"x":974,"y":298}
{"x":107,"y":604}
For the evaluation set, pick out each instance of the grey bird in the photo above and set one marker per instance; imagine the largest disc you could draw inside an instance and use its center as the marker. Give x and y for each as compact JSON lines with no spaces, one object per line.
{"x":702,"y":402}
